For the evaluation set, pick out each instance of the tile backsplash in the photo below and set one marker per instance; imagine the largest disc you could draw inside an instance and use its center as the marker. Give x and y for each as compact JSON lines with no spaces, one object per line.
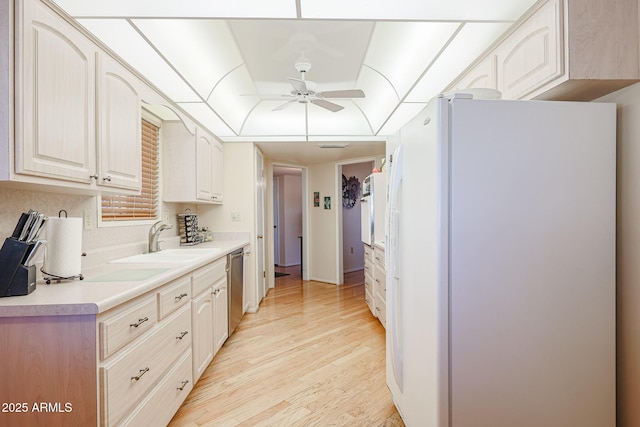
{"x":97,"y":242}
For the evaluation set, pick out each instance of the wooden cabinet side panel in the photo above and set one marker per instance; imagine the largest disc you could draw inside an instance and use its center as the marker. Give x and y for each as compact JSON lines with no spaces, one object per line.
{"x":603,"y":39}
{"x":49,"y":363}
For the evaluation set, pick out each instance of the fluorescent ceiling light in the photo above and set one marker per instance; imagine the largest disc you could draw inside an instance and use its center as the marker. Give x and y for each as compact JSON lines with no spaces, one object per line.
{"x":264,"y":121}
{"x":348,"y":121}
{"x":401,"y":51}
{"x":227,"y":101}
{"x":452,"y":10}
{"x":381,"y":98}
{"x":202,"y":51}
{"x":182,"y":8}
{"x":403,"y":114}
{"x":468,"y":45}
{"x":203,"y":114}
{"x":127,"y":43}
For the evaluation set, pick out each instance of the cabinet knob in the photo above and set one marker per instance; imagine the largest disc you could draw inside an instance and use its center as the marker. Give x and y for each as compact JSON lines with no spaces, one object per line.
{"x":179,"y":297}
{"x":182,"y":335}
{"x":107,"y":178}
{"x":183,"y":384}
{"x":93,"y":177}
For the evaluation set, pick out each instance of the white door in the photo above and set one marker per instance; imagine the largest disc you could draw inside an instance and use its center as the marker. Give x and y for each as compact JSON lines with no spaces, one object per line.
{"x":260,"y":274}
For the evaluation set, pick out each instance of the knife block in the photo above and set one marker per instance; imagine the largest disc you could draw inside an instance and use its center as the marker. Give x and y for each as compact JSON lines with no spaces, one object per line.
{"x":15,"y":277}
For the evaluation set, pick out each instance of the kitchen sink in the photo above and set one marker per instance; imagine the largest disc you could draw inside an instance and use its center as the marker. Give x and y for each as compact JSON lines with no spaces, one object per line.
{"x":168,"y":255}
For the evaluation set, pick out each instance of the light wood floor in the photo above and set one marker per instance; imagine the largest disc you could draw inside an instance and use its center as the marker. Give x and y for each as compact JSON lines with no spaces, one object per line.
{"x":312,"y":356}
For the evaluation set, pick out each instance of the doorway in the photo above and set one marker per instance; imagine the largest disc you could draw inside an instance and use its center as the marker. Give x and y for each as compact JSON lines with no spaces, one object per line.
{"x":287,"y":218}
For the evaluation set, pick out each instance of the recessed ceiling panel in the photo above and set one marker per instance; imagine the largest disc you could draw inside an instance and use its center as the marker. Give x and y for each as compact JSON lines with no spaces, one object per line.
{"x":271,"y":48}
{"x":203,"y":113}
{"x":124,"y":40}
{"x":349,"y":121}
{"x":202,"y":51}
{"x":180,"y":9}
{"x":401,"y":52}
{"x":262,"y":121}
{"x":470,"y":42}
{"x":454,"y":10}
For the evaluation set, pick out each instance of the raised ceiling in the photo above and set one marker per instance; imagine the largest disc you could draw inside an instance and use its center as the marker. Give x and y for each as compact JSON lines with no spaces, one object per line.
{"x":226,"y":63}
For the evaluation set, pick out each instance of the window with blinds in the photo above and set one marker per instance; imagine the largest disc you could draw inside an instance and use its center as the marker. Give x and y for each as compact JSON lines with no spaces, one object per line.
{"x":121,"y":207}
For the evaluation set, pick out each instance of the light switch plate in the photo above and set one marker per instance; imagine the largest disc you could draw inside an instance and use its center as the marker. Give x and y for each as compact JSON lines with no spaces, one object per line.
{"x":88,"y":219}
{"x":235,"y":216}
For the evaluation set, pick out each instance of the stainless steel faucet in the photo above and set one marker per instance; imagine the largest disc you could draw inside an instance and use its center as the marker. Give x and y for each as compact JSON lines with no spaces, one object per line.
{"x":154,"y":233}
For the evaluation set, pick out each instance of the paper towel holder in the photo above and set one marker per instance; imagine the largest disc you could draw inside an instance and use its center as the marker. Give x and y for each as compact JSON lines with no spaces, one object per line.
{"x":48,"y":277}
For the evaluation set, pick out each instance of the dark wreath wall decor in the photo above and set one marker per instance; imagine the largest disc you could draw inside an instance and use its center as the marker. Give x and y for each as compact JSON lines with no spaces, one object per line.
{"x":350,"y":191}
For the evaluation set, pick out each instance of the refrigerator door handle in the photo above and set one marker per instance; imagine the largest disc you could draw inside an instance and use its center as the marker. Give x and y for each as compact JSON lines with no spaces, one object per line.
{"x":392,"y":261}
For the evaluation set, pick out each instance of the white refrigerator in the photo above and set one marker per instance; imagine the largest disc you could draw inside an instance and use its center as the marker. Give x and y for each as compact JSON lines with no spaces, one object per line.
{"x":501,"y":264}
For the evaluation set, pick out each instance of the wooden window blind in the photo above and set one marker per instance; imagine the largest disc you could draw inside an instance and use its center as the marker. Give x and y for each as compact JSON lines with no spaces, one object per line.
{"x":121,"y":207}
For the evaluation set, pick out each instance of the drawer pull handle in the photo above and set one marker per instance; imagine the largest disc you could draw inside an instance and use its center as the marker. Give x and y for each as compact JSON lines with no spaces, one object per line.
{"x":140,"y":322}
{"x":182,"y":335}
{"x":184,"y":383}
{"x":179,"y":297}
{"x":142,"y":372}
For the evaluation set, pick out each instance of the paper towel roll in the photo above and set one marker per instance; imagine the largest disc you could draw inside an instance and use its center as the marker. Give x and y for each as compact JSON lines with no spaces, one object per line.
{"x":63,"y":250}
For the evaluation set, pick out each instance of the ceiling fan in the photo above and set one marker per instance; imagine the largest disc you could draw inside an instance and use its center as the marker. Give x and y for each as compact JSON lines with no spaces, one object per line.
{"x":305,"y":91}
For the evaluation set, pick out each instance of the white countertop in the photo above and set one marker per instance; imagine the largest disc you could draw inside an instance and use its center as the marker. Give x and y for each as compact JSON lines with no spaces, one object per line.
{"x":80,"y":297}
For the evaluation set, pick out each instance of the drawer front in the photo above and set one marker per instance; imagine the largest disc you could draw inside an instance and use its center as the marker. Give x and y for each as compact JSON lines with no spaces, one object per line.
{"x":368,"y":283}
{"x":369,"y":299}
{"x":380,"y":281}
{"x":125,"y":380}
{"x":368,"y":253}
{"x":381,"y":311}
{"x":378,"y":257}
{"x":165,"y":399}
{"x":368,"y":267}
{"x":208,"y":275}
{"x":173,"y":296}
{"x":118,"y":329}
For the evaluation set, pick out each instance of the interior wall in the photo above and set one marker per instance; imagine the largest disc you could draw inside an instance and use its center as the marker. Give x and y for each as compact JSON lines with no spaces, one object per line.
{"x":239,"y":189}
{"x":322,"y":223}
{"x":290,"y":219}
{"x":353,"y":248}
{"x":628,"y":254}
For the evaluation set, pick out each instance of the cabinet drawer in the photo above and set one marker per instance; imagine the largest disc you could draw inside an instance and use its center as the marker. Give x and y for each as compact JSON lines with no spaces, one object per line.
{"x":208,"y":275}
{"x":380,"y":281}
{"x":173,"y":296}
{"x":381,"y":311}
{"x":129,"y":377}
{"x":118,"y":329}
{"x":369,"y":299}
{"x":368,"y":253}
{"x":378,"y":257}
{"x":163,"y":402}
{"x":368,"y":267}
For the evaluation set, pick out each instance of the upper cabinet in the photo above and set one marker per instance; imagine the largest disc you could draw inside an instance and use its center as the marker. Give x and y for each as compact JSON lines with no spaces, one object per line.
{"x":55,"y":97}
{"x":192,"y":166}
{"x":119,"y":126}
{"x":564,"y":50}
{"x":77,"y":111}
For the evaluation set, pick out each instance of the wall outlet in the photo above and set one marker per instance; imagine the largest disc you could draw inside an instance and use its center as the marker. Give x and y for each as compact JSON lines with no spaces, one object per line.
{"x":235,"y":216}
{"x":351,"y":249}
{"x":88,"y":219}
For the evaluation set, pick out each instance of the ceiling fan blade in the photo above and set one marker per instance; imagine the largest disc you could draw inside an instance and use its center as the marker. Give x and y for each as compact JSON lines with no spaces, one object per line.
{"x":283,"y":106}
{"x":326,"y":104}
{"x":299,"y":85}
{"x":350,"y":93}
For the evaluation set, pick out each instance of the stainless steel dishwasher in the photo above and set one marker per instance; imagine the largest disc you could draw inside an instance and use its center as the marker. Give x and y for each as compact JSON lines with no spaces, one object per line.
{"x":235,"y":281}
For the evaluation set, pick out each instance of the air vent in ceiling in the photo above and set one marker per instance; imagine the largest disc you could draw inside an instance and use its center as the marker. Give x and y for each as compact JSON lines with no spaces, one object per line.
{"x":333,"y":145}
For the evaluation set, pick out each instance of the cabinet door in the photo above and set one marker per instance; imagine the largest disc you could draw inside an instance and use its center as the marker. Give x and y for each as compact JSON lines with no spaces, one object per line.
{"x":218,"y":172}
{"x":55,"y":96}
{"x":202,"y":325}
{"x":482,"y":75}
{"x":221,"y":315}
{"x":204,"y":165}
{"x":533,"y":55}
{"x":119,"y":127}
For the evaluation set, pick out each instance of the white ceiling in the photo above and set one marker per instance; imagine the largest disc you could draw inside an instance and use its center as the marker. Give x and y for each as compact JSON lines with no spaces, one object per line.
{"x":226,"y":63}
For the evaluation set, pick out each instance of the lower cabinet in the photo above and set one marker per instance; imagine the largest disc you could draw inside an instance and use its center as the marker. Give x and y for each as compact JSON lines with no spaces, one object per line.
{"x":202,"y":320}
{"x":209,"y":313}
{"x":375,"y":282}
